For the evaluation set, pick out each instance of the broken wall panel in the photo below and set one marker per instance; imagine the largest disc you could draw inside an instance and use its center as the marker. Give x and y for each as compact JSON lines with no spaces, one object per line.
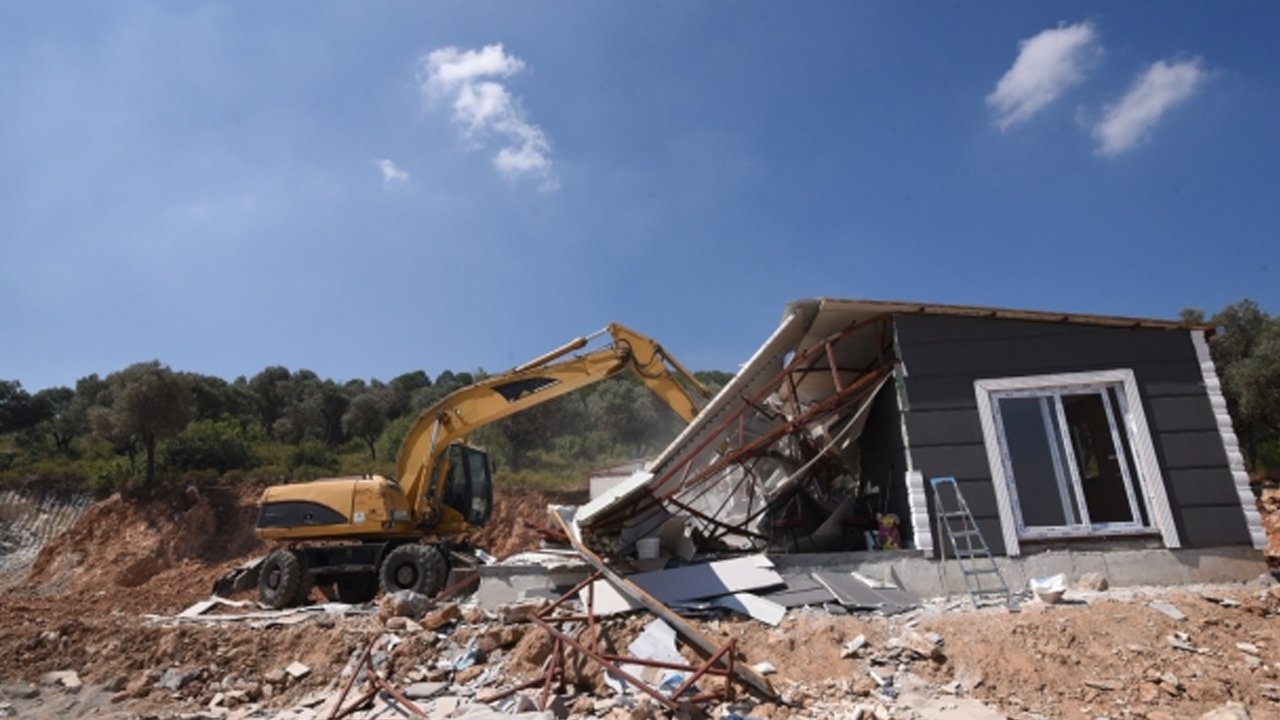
{"x":777,"y":450}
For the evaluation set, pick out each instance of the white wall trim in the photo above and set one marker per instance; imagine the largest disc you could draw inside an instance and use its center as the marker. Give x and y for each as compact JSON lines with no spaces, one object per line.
{"x":918,"y":502}
{"x":1150,"y":478}
{"x":1235,"y":460}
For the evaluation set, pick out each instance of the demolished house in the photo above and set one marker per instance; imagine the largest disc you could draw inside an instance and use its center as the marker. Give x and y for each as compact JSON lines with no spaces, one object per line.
{"x":1064,"y":432}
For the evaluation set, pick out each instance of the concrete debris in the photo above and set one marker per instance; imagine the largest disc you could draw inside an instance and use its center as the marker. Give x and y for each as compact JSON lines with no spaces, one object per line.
{"x":1182,"y":641}
{"x":174,"y":679}
{"x":297,"y":670}
{"x":924,"y":645}
{"x":402,"y":624}
{"x":1229,"y":711}
{"x":67,"y":679}
{"x":853,"y":647}
{"x":1247,"y":648}
{"x":403,"y":603}
{"x":1168,"y":609}
{"x":691,"y":582}
{"x":1093,"y":582}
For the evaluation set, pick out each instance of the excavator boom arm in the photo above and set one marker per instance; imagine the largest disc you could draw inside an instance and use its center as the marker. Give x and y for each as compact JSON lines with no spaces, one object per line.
{"x":540,"y":380}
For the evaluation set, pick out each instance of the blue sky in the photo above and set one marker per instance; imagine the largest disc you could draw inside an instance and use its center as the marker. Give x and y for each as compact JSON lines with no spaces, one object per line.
{"x":364,"y":189}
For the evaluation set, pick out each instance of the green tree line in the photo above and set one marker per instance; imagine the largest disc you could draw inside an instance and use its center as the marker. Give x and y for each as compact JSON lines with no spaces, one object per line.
{"x":1246,"y":354}
{"x":148,"y":424}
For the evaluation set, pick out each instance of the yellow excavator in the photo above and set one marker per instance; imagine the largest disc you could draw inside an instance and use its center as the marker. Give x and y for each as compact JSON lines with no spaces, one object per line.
{"x":356,"y":535}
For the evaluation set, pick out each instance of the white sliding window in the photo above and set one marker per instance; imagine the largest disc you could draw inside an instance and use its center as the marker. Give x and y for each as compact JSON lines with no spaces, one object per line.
{"x":1071,"y":456}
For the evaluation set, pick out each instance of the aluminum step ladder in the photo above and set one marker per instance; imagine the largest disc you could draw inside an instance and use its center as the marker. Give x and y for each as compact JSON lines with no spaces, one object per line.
{"x":982,"y":577}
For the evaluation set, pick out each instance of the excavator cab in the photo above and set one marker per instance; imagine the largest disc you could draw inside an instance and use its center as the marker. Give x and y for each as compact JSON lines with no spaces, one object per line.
{"x":469,"y":486}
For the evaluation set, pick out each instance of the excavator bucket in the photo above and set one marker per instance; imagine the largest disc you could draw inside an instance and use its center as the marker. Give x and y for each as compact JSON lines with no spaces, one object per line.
{"x":244,"y":577}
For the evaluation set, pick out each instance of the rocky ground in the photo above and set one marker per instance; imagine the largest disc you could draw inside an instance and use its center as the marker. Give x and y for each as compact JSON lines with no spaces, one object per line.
{"x":92,"y":632}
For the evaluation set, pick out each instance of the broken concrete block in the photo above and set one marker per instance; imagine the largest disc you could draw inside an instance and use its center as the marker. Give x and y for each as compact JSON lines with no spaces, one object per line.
{"x":174,"y":679}
{"x":926,"y":645}
{"x":403,"y":603}
{"x":969,"y":679}
{"x":764,"y":668}
{"x":1168,"y":609}
{"x":297,"y":670}
{"x":68,"y":679}
{"x":853,"y":647}
{"x":1093,"y":581}
{"x":400,"y":624}
{"x":1247,"y":648}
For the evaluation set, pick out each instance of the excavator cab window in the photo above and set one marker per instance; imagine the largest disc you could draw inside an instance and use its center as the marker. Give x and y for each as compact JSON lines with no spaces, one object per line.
{"x":470,"y":486}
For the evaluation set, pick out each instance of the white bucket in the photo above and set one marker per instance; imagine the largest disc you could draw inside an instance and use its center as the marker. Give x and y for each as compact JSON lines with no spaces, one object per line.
{"x":647,"y":548}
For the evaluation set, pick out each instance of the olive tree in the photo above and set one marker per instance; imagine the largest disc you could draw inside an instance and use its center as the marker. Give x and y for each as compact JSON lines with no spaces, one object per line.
{"x":365,"y":418}
{"x":148,"y":402}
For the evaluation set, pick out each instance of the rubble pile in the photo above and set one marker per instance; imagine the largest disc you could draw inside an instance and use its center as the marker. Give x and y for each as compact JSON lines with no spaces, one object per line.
{"x":1114,"y":654}
{"x":90,"y":646}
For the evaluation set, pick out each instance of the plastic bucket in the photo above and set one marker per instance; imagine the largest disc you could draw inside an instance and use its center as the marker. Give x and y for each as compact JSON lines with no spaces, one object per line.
{"x":647,"y":548}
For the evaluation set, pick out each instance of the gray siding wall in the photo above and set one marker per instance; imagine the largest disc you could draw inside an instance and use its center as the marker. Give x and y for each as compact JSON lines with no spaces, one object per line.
{"x":944,"y":355}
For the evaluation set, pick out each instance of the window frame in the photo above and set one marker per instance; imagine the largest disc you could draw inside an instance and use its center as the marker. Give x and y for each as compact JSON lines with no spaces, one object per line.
{"x":1130,"y":417}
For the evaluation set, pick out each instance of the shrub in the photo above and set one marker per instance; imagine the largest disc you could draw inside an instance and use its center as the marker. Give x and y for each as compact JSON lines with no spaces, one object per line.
{"x":312,"y":455}
{"x":208,"y":445}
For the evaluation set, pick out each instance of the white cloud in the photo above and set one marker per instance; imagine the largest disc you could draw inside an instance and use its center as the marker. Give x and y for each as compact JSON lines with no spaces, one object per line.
{"x":1048,"y":64}
{"x":1155,"y":92}
{"x":472,"y":81}
{"x":392,"y":174}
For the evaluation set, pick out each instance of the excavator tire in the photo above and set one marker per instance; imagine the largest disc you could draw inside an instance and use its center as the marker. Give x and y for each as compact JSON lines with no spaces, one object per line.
{"x":356,"y":589}
{"x":417,"y":567}
{"x":280,"y":579}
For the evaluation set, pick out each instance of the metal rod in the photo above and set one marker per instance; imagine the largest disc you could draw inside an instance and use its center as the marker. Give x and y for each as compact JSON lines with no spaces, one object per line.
{"x":565,"y":349}
{"x":512,"y":690}
{"x":711,"y":661}
{"x":691,"y":634}
{"x":395,"y":693}
{"x":610,"y":666}
{"x":346,"y":688}
{"x":355,"y":704}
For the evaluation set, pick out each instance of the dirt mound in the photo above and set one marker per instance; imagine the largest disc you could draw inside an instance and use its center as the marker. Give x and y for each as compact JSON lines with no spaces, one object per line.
{"x":149,"y":555}
{"x":29,"y":518}
{"x":163,"y":553}
{"x":506,"y":533}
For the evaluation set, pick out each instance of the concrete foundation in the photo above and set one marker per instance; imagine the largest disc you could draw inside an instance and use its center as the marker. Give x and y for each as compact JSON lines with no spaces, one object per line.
{"x":926,"y":578}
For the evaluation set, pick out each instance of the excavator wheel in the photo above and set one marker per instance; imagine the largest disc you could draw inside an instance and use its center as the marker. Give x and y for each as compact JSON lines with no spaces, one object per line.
{"x":280,"y":579}
{"x":416,"y":567}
